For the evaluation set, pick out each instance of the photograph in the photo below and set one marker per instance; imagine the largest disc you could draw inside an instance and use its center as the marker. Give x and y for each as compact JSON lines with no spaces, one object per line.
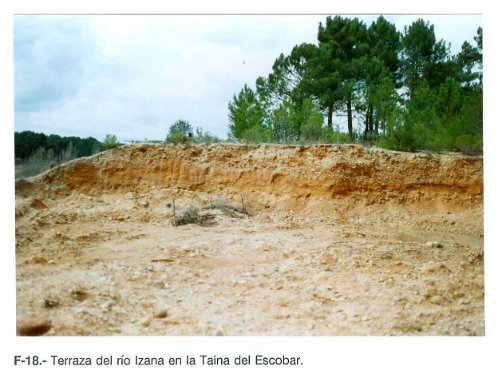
{"x":248,"y":175}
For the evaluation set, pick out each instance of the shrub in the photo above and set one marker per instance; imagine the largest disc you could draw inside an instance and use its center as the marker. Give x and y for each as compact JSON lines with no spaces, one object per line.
{"x":175,"y":137}
{"x":468,"y":145}
{"x":257,"y":134}
{"x":178,"y":132}
{"x":111,"y":141}
{"x":205,"y":137}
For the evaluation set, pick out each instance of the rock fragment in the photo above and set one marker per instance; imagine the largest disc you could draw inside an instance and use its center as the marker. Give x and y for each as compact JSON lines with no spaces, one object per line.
{"x":434,"y":244}
{"x":160,"y":314}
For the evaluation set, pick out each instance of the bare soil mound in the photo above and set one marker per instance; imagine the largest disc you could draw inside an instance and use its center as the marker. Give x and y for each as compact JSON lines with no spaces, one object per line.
{"x":237,"y":240}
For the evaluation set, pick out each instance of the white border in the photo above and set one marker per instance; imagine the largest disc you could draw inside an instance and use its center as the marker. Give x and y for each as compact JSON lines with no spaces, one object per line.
{"x":324,"y":356}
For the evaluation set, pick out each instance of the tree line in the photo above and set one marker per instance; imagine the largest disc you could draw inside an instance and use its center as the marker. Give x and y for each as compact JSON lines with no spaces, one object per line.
{"x":29,"y":143}
{"x":404,"y":90}
{"x":57,"y":149}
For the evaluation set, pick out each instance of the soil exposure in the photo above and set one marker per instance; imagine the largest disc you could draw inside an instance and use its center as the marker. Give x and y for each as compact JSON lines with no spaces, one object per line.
{"x":319,"y":240}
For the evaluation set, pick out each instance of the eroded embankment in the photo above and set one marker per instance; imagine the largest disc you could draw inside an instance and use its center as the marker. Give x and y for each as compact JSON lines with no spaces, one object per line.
{"x":341,"y":240}
{"x":276,"y":177}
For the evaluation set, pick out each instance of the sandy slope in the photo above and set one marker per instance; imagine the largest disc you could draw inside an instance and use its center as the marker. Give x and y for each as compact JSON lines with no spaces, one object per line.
{"x":340,"y":240}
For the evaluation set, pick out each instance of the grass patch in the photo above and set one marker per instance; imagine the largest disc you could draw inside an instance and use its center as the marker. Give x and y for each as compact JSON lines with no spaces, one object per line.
{"x":32,"y":168}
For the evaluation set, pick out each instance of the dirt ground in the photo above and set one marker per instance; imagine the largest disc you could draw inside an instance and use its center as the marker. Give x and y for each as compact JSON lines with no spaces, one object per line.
{"x":338,"y":240}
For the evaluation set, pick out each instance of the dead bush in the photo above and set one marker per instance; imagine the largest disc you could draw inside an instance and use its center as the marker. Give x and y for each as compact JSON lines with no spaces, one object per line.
{"x":192,"y":215}
{"x":222,"y":204}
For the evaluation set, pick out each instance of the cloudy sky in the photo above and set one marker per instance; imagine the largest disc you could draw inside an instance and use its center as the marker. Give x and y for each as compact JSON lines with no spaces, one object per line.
{"x":133,"y":76}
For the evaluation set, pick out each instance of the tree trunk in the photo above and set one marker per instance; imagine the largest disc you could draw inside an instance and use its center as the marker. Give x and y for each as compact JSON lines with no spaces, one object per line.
{"x":330,"y":117}
{"x":367,"y":121}
{"x":370,"y":119}
{"x":349,"y":117}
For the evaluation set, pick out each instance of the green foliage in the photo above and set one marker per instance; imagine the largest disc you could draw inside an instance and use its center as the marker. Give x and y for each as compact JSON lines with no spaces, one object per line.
{"x":444,"y":118}
{"x":382,"y":76}
{"x":470,"y":61}
{"x":175,"y":138}
{"x":384,"y":43}
{"x":468,"y":145}
{"x":39,"y":161}
{"x":287,"y":81}
{"x":181,"y":126}
{"x":36,"y":152}
{"x":411,"y":93}
{"x":309,"y":121}
{"x":256,"y":134}
{"x":343,"y":45}
{"x":205,"y":137}
{"x":282,"y":128}
{"x":179,"y":131}
{"x":399,"y":135}
{"x":289,"y":123}
{"x":313,"y":131}
{"x":418,"y":52}
{"x":43,"y":159}
{"x":246,"y":115}
{"x":28,"y":142}
{"x":111,"y":141}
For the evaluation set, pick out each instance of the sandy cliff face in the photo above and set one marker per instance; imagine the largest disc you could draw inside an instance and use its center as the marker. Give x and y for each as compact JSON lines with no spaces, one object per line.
{"x":319,"y":178}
